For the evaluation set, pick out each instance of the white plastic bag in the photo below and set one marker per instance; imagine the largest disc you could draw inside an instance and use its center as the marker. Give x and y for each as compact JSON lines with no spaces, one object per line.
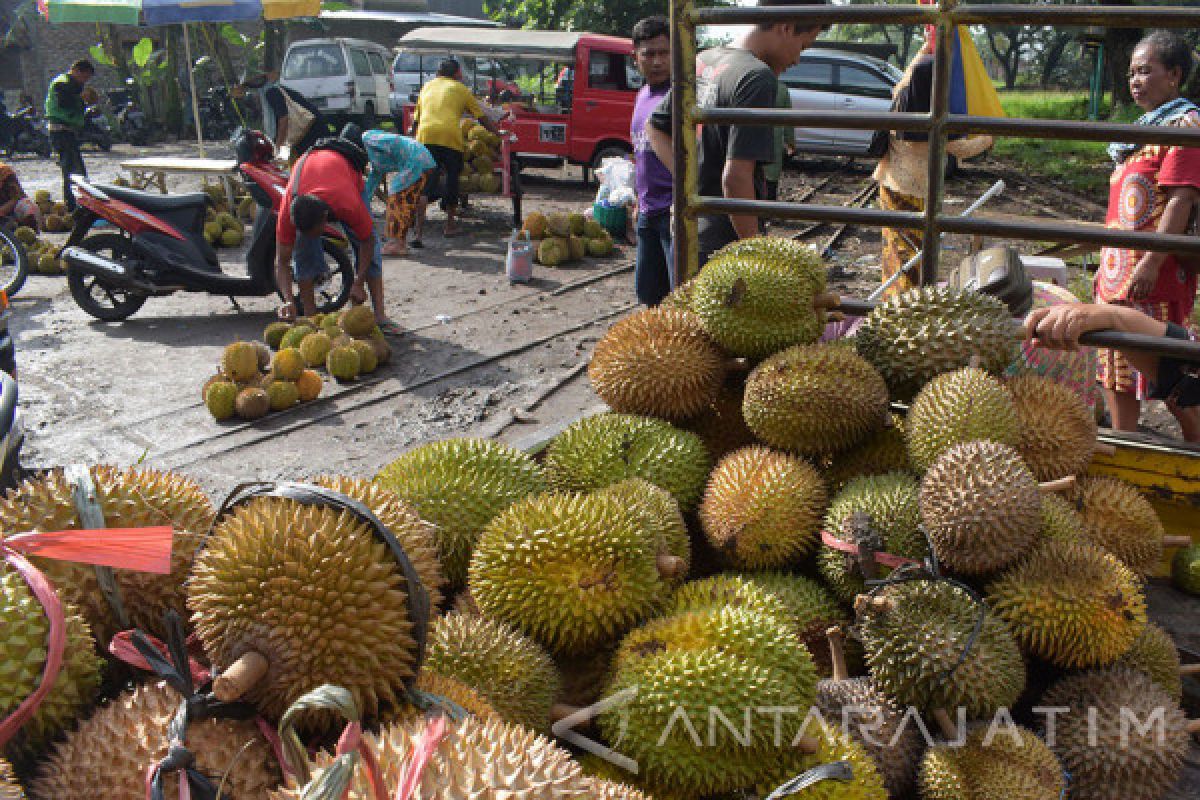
{"x":616,"y":182}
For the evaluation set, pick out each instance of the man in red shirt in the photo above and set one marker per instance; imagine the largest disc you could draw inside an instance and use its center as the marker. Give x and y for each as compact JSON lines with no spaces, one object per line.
{"x":326,"y":186}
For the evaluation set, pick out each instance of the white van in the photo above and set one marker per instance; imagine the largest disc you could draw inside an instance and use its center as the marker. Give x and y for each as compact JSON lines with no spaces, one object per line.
{"x":348,"y":79}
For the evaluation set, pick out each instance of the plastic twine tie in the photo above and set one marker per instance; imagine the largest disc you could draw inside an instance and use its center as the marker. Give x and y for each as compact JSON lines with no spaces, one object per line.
{"x":436,"y":729}
{"x":886,"y":559}
{"x":91,"y":515}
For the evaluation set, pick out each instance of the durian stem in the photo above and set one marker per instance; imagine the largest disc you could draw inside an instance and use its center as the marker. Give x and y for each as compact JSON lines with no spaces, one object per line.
{"x":1060,"y":485}
{"x":837,"y":653}
{"x":1192,"y":726}
{"x":864,"y":603}
{"x":1189,"y":669}
{"x":945,"y":724}
{"x":670,"y":566}
{"x":1180,"y":540}
{"x":1102,"y":449}
{"x":826,"y":301}
{"x":232,"y":684}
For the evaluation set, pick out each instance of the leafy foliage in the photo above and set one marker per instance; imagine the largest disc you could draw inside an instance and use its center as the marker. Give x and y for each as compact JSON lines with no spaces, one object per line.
{"x":616,"y":17}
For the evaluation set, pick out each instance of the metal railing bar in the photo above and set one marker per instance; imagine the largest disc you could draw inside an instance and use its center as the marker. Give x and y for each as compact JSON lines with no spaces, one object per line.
{"x":1064,"y":16}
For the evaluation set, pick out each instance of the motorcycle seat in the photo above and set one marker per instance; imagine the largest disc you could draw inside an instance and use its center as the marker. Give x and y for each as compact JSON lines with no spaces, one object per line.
{"x":153,"y":201}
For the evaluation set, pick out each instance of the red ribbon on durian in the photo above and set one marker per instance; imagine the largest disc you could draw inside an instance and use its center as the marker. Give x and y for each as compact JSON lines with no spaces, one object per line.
{"x":886,"y":559}
{"x":436,"y":729}
{"x":141,"y":549}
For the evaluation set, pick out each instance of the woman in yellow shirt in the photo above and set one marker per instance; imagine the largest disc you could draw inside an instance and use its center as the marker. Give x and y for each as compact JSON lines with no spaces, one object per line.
{"x":442,"y":104}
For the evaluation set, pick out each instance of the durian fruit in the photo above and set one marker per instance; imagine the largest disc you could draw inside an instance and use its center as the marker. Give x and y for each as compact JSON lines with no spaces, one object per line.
{"x":607,"y":448}
{"x":680,"y":297}
{"x":815,"y":399}
{"x":513,"y":673}
{"x":762,"y":509}
{"x":1071,"y":604}
{"x":1057,"y":430}
{"x":577,"y":222}
{"x":754,"y":305}
{"x":913,"y":336}
{"x":881,"y":452}
{"x":657,"y":362}
{"x":915,"y":635}
{"x":535,"y":224}
{"x":558,"y":225}
{"x":309,"y":385}
{"x":576,"y":249}
{"x":264,"y":355}
{"x":660,"y":516}
{"x":1122,"y":738}
{"x":1119,"y":519}
{"x":446,"y":694}
{"x":551,"y":252}
{"x":288,"y":363}
{"x":343,"y":363}
{"x":240,"y":362}
{"x":417,"y":537}
{"x":892,"y":523}
{"x":1185,"y":569}
{"x":980,"y":506}
{"x":312,"y":590}
{"x":357,"y":321}
{"x":232,"y":237}
{"x":477,"y":759}
{"x":1007,"y":762}
{"x":383,"y":351}
{"x":25,"y":235}
{"x":834,"y":746}
{"x":282,"y":395}
{"x":11,"y":790}
{"x":572,"y":571}
{"x":728,"y":589}
{"x":129,"y":498}
{"x":296,"y":335}
{"x":1060,"y":520}
{"x":459,"y":485}
{"x":367,"y":360}
{"x":966,"y":405}
{"x":315,"y":348}
{"x":1155,"y":654}
{"x":252,"y":403}
{"x":721,"y":426}
{"x":811,"y":609}
{"x":212,"y":233}
{"x":610,"y":790}
{"x":789,"y":254}
{"x":219,"y":399}
{"x":23,"y":653}
{"x":600,"y":246}
{"x":111,"y":751}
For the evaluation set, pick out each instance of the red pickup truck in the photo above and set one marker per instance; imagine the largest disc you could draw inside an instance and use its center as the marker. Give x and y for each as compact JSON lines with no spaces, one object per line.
{"x":580,"y":113}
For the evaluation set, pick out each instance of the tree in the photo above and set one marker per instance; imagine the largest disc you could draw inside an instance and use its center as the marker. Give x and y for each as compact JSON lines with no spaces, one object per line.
{"x":1008,"y":43}
{"x":616,"y":17}
{"x":906,"y":38}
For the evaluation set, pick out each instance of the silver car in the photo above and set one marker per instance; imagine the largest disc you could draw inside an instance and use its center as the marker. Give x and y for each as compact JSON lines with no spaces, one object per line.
{"x":836,"y":81}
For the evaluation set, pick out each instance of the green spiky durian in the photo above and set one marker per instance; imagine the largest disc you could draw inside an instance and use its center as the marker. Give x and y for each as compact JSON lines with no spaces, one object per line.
{"x":129,"y":498}
{"x":799,"y":258}
{"x":604,"y":449}
{"x":1071,"y":603}
{"x":811,"y":607}
{"x":1060,"y":520}
{"x":980,"y":506}
{"x":762,"y":509}
{"x":721,"y":425}
{"x":240,"y":361}
{"x":311,"y":589}
{"x":572,"y":571}
{"x":1155,"y":654}
{"x":1123,"y":737}
{"x":1119,"y":519}
{"x":1057,"y":429}
{"x":915,"y":335}
{"x":875,"y":722}
{"x":834,"y":745}
{"x":274,"y":333}
{"x":445,"y":694}
{"x":915,"y":642}
{"x":1008,"y":762}
{"x":296,"y":335}
{"x":727,"y":589}
{"x":815,"y":399}
{"x":459,"y":485}
{"x":1185,"y":569}
{"x":891,"y":504}
{"x":754,"y":305}
{"x":657,"y":362}
{"x":660,"y":515}
{"x":220,"y":398}
{"x":881,"y":452}
{"x":23,"y":654}
{"x":513,"y":673}
{"x":965,"y":405}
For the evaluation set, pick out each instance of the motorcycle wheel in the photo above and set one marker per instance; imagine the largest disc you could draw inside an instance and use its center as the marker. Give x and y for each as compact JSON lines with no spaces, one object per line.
{"x":94,"y":295}
{"x":333,"y":292}
{"x":14,"y":262}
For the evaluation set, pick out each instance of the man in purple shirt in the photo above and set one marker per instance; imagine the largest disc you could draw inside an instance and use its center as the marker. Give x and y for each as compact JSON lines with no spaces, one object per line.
{"x":652,"y":273}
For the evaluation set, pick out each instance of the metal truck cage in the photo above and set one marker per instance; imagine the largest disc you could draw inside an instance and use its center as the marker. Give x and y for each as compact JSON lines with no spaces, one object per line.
{"x":1168,"y":472}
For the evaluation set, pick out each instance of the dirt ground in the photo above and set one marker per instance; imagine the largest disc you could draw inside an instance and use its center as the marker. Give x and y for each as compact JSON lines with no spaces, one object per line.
{"x":479,"y":356}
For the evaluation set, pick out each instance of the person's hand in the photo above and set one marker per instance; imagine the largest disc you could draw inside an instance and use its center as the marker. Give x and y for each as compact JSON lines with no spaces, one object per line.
{"x":1145,"y":277}
{"x":286,"y":312}
{"x":1059,"y":327}
{"x":358,"y":294}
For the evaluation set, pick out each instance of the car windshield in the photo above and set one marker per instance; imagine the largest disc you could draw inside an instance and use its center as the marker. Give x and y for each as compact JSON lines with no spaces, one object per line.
{"x":314,"y":61}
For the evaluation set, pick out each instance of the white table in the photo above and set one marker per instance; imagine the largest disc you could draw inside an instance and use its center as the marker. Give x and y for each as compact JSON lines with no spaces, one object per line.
{"x":153,"y":171}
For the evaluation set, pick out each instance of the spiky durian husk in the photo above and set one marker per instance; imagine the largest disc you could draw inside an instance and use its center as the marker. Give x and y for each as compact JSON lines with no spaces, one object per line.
{"x":721,"y":426}
{"x":1060,"y":520}
{"x":914,"y":650}
{"x":9,"y":788}
{"x":915,"y":335}
{"x":1071,"y":603}
{"x":315,"y":592}
{"x":728,"y":589}
{"x":680,"y":298}
{"x":812,"y":609}
{"x":512,"y":671}
{"x":604,"y":774}
{"x":23,"y":648}
{"x":1009,"y":762}
{"x":478,"y":759}
{"x":608,"y":790}
{"x":762,"y":509}
{"x":815,"y":399}
{"x":1185,"y":569}
{"x":892,"y":503}
{"x":130,"y":498}
{"x":1155,"y":654}
{"x":965,"y":405}
{"x":1117,"y":518}
{"x":572,"y":571}
{"x":459,"y":485}
{"x":660,"y":514}
{"x":657,"y":362}
{"x":604,"y":449}
{"x":112,"y":749}
{"x":872,"y":719}
{"x":834,"y":745}
{"x":1107,"y":753}
{"x":981,"y":507}
{"x":444,"y":693}
{"x":802,"y":259}
{"x":753,"y":304}
{"x":881,"y":452}
{"x":1057,"y":429}
{"x":417,"y":537}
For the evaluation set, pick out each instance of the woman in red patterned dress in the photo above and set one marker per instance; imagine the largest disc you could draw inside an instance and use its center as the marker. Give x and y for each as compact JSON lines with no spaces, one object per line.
{"x":1153,"y":188}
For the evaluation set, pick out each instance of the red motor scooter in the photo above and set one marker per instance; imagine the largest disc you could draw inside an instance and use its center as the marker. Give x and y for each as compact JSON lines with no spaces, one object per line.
{"x":159,"y":247}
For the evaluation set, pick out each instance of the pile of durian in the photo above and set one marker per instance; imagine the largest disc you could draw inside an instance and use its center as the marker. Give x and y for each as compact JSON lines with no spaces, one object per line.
{"x":43,"y":254}
{"x":566,"y":237}
{"x":480,"y":161}
{"x":55,"y":216}
{"x":698,"y":557}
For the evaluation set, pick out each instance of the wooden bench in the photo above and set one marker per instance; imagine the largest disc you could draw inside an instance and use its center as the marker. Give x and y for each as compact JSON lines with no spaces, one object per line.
{"x":153,"y":171}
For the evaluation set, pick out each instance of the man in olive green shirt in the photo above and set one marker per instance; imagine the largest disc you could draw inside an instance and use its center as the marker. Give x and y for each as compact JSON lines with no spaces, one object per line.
{"x":65,"y":119}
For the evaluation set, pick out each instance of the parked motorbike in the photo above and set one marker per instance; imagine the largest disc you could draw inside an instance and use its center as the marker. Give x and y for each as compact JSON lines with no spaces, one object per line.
{"x":29,"y":133}
{"x":96,"y":129}
{"x":132,"y":125}
{"x":217,"y":118}
{"x":159,"y":247}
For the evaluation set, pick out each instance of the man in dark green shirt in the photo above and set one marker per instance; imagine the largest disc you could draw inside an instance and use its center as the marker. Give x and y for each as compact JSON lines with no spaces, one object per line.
{"x":65,"y":119}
